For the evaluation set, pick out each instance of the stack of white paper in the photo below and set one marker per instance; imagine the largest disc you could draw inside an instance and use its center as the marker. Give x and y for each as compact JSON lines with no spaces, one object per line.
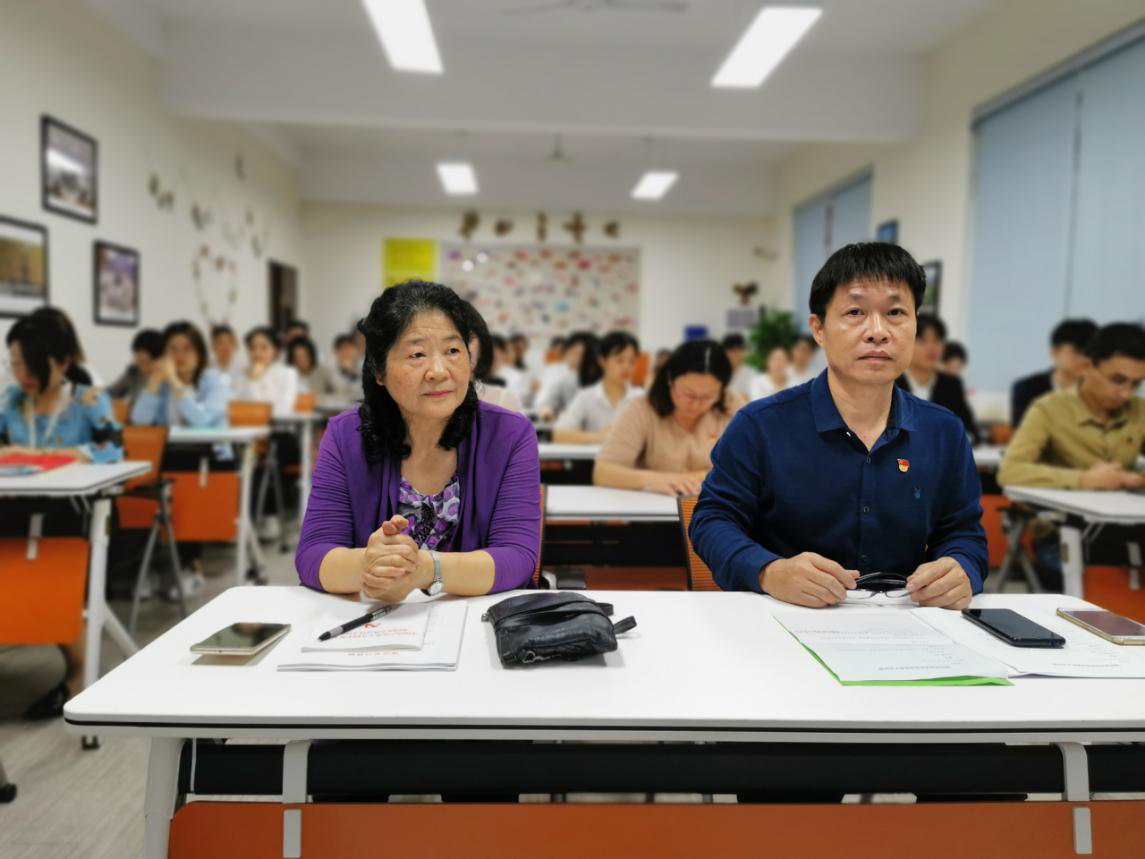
{"x":440,"y":649}
{"x":402,"y":628}
{"x":874,"y":645}
{"x":1084,"y":654}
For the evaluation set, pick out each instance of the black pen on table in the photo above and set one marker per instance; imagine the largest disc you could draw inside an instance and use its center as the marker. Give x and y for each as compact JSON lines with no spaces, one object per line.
{"x":358,"y":621}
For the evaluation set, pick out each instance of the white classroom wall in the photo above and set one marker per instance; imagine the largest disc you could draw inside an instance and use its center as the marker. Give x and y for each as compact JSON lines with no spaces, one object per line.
{"x":925,"y":184}
{"x":76,"y":68}
{"x":687,"y":266}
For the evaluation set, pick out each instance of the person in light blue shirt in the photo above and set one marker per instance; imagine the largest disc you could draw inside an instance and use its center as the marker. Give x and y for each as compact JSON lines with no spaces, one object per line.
{"x":50,"y":408}
{"x":181,"y":389}
{"x":847,"y":475}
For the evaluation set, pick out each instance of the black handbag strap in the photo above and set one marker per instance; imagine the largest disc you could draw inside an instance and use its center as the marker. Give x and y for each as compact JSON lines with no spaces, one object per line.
{"x":624,"y":625}
{"x":535,"y":603}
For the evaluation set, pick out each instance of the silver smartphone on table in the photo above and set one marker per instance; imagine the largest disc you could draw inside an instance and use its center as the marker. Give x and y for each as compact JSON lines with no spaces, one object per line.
{"x":242,"y":639}
{"x":1110,"y":626}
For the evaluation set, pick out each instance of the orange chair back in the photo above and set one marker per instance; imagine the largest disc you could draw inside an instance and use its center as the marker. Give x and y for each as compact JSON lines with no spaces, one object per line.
{"x":1000,"y":434}
{"x":699,"y":576}
{"x":247,"y":413}
{"x":640,"y":369}
{"x":43,"y":598}
{"x":537,"y":570}
{"x":304,"y":404}
{"x":120,"y":410}
{"x":146,"y":444}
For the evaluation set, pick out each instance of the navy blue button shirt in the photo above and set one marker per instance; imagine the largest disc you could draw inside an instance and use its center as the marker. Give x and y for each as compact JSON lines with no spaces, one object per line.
{"x":788,"y":476}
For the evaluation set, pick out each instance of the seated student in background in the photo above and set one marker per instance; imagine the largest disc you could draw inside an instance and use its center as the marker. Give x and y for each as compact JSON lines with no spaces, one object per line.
{"x":847,"y":474}
{"x":1089,"y":435}
{"x":923,"y":378}
{"x":802,"y":355}
{"x":225,"y":348}
{"x":578,"y":369}
{"x":265,"y":379}
{"x":735,"y":347}
{"x":954,"y":358}
{"x":347,"y":369}
{"x":424,"y":486}
{"x":51,"y":409}
{"x":181,"y":389}
{"x":146,"y":348}
{"x":1067,"y":351}
{"x":662,"y":441}
{"x":594,"y":409}
{"x":313,"y":378}
{"x":776,"y":376}
{"x":488,"y":383}
{"x":295,"y":328}
{"x":81,"y":370}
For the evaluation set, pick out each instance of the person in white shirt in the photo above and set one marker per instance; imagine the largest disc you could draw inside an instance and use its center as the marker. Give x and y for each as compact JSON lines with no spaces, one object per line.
{"x":579,"y":369}
{"x":313,"y":378}
{"x":742,"y":372}
{"x":593,"y":409}
{"x":776,"y":378}
{"x":265,"y":379}
{"x":225,"y":349}
{"x":802,"y":368}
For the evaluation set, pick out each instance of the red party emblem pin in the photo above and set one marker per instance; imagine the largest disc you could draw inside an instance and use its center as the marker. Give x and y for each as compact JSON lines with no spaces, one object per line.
{"x":904,"y":465}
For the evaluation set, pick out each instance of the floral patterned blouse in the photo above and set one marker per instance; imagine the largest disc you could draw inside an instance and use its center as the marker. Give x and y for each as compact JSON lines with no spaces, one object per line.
{"x":432,"y":518}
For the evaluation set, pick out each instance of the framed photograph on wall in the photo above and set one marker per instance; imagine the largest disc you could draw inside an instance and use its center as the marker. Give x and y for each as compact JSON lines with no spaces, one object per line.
{"x":23,"y":267}
{"x":887,"y":231}
{"x":115,"y":285}
{"x":930,"y":298}
{"x":69,"y":171}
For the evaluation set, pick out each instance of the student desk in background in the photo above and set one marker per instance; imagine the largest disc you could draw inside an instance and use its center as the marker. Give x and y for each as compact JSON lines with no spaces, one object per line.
{"x":97,"y":483}
{"x":1084,"y":513}
{"x":243,"y":440}
{"x":304,"y":423}
{"x":567,"y":464}
{"x":707,"y":695}
{"x":599,"y":526}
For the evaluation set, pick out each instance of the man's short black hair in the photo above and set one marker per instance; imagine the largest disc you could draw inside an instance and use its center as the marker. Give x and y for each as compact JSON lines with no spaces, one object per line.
{"x":954,"y":350}
{"x":870,"y":261}
{"x":222,"y":328}
{"x":1118,"y":338}
{"x":1073,"y":332}
{"x":298,"y":323}
{"x":148,"y":340}
{"x":343,"y":340}
{"x":928,"y":322}
{"x":733,"y":341}
{"x":808,"y":339}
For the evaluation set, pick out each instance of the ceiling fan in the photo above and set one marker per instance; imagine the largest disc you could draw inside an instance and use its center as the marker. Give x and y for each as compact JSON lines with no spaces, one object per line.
{"x":600,"y":5}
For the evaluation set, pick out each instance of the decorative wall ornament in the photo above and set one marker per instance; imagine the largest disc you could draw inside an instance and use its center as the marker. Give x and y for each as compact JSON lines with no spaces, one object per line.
{"x":503,"y":227}
{"x":23,"y":267}
{"x":470,"y":221}
{"x":542,"y":227}
{"x":115,"y":285}
{"x":69,"y":171}
{"x":576,"y":227}
{"x":612,"y":229}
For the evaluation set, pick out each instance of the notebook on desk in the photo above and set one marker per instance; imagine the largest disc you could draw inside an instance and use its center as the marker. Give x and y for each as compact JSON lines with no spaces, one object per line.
{"x":15,"y":464}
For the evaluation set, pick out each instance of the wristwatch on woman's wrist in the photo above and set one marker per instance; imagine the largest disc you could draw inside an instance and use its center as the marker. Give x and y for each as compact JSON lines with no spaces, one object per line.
{"x":435,"y":587}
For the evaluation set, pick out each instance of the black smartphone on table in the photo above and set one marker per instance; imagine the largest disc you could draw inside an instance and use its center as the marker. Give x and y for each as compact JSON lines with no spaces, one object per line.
{"x":1013,"y":628}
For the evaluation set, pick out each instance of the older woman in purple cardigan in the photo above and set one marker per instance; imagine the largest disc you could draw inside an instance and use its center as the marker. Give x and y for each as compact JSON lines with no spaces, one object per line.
{"x":423,"y":486}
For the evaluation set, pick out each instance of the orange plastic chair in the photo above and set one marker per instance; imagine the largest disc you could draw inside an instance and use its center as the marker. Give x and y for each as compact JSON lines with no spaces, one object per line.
{"x":43,"y":597}
{"x":640,"y":370}
{"x":248,"y":413}
{"x":120,"y":409}
{"x":699,"y":577}
{"x":537,"y":570}
{"x":1000,"y":434}
{"x":304,"y":404}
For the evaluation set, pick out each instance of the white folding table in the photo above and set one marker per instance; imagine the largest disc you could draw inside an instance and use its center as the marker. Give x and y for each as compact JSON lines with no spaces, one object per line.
{"x":99,"y":483}
{"x":603,"y":504}
{"x":1093,"y":509}
{"x":304,"y":422}
{"x":553,"y":451}
{"x":700,"y":668}
{"x":244,"y":438}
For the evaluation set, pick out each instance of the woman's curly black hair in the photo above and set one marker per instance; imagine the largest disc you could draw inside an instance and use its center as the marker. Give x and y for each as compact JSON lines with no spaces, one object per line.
{"x":383,"y":428}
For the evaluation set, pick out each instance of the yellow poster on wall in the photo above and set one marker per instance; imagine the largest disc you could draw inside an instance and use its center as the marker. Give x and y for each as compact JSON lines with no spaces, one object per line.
{"x":405,"y":259}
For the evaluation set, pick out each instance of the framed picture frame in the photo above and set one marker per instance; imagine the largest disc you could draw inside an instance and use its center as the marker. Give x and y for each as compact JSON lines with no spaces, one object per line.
{"x":887,"y":231}
{"x":23,"y":267}
{"x":933,"y":294}
{"x":115,"y":285}
{"x":69,"y":171}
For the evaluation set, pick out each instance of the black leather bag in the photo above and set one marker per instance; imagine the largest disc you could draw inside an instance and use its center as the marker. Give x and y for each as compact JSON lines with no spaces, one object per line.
{"x":539,"y":627}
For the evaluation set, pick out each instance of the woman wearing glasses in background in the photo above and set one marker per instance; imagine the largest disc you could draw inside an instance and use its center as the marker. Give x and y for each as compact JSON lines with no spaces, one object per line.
{"x":662,"y":442}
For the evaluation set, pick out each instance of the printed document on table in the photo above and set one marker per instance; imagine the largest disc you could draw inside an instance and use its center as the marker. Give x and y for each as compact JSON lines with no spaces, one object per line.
{"x":403,"y":627}
{"x":874,"y":645}
{"x":440,"y":651}
{"x":1084,"y":654}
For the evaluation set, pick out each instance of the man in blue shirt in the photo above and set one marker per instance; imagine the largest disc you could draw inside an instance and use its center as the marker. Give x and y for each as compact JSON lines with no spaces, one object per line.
{"x":847,"y":474}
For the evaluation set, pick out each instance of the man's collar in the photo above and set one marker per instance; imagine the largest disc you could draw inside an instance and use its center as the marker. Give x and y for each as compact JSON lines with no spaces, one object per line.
{"x":827,"y":416}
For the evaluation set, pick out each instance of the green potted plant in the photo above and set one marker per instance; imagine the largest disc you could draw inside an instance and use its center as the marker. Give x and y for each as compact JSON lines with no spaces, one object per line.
{"x":772,"y":328}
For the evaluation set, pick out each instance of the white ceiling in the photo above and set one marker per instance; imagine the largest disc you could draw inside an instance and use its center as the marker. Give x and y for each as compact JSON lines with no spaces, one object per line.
{"x":309,"y":75}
